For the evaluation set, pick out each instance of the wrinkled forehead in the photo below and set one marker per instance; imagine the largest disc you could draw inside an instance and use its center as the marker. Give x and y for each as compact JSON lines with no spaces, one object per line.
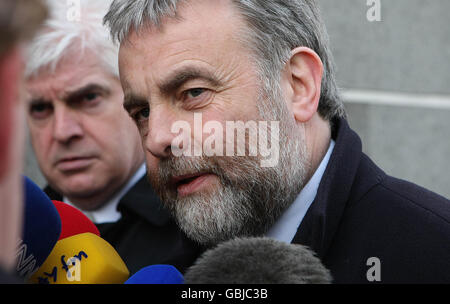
{"x":202,"y":30}
{"x":201,"y":13}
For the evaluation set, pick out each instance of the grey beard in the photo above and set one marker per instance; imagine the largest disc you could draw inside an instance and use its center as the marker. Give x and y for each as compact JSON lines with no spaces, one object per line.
{"x":247,"y":202}
{"x":249,"y":199}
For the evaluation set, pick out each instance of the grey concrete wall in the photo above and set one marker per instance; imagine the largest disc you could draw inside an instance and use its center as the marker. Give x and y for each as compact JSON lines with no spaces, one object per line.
{"x":408,"y":51}
{"x":406,"y":142}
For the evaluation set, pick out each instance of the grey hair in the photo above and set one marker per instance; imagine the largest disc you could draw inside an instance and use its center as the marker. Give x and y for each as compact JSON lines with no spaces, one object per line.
{"x":63,"y":37}
{"x":275,"y":28}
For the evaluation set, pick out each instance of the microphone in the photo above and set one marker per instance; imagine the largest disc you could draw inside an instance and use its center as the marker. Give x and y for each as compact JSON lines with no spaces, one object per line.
{"x":73,"y":221}
{"x":157,"y":274}
{"x":82,"y":259}
{"x":258,"y":261}
{"x":41,"y":230}
{"x":80,"y":256}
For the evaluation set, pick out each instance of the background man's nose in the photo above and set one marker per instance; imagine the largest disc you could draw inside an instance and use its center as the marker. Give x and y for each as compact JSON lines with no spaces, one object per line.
{"x":66,"y":125}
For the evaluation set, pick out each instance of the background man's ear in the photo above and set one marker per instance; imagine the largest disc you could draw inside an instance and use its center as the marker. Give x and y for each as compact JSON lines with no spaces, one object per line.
{"x":306,"y":71}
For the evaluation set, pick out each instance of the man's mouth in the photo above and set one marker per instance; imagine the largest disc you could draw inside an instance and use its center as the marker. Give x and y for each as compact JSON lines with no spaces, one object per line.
{"x":68,"y":164}
{"x":190,"y":183}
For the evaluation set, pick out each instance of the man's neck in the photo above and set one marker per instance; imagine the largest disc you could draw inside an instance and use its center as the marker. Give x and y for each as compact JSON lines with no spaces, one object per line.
{"x":101,"y":198}
{"x":108,"y":212}
{"x":318,"y":138}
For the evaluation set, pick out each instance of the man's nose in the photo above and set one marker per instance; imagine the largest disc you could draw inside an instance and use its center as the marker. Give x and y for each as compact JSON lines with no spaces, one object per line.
{"x":159,"y":137}
{"x":66,"y":125}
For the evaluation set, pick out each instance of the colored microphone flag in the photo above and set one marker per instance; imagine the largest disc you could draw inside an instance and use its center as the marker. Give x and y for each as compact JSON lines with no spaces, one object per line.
{"x":82,"y":259}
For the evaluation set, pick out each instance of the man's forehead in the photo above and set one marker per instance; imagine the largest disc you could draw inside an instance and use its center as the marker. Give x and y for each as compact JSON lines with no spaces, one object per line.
{"x":67,"y":78}
{"x":195,"y":20}
{"x":203,"y":31}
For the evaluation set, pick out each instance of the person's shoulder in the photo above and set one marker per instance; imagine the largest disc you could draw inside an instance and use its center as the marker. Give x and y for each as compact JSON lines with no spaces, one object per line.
{"x":393,"y":196}
{"x":415,"y":200}
{"x":407,"y":227}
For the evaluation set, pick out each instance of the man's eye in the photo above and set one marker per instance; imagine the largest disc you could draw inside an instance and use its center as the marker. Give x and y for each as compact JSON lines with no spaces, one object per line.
{"x":140,"y":118}
{"x":40,"y":110}
{"x":39,"y":107}
{"x":193,"y":93}
{"x":91,"y":96}
{"x":142,"y":114}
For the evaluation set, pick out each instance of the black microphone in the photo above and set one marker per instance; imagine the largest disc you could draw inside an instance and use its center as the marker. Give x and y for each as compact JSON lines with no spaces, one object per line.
{"x":258,"y":260}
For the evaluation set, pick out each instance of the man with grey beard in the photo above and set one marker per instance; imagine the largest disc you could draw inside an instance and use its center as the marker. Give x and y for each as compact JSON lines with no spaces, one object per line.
{"x":268,"y":61}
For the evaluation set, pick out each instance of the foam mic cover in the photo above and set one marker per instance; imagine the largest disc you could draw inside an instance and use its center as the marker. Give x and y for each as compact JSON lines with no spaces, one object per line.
{"x":257,"y":261}
{"x":157,"y":274}
{"x":41,"y":230}
{"x":73,"y":221}
{"x":82,"y":259}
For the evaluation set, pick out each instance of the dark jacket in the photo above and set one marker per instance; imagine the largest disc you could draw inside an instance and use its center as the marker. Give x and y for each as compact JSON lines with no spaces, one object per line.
{"x":360,"y":212}
{"x":146,"y":234}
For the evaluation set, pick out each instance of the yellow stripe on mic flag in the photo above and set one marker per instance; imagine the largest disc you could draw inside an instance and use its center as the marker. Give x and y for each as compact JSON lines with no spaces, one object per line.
{"x":82,"y":259}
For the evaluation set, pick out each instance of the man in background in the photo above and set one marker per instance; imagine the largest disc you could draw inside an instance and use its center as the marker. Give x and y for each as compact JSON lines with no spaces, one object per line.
{"x":18,"y":21}
{"x":86,"y":145}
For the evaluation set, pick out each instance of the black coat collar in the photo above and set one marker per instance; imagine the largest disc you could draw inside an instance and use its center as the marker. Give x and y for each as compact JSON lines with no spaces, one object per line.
{"x":338,"y":186}
{"x":140,"y":199}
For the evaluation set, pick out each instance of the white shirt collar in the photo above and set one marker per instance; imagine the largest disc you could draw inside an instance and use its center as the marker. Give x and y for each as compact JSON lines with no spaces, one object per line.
{"x":108,"y":213}
{"x":287,"y":225}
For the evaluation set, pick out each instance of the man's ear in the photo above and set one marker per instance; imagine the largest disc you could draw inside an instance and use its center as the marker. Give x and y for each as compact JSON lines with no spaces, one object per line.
{"x":305,"y":77}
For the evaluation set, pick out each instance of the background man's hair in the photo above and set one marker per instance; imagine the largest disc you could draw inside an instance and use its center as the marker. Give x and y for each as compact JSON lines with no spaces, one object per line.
{"x":275,"y":28}
{"x":19,"y":20}
{"x":63,"y":37}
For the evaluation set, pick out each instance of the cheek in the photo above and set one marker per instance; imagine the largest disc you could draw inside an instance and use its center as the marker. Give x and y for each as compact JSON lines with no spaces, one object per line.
{"x":244,"y":111}
{"x":118,"y":140}
{"x":239,"y":104}
{"x":41,"y":143}
{"x":152,"y":163}
{"x":128,"y":136}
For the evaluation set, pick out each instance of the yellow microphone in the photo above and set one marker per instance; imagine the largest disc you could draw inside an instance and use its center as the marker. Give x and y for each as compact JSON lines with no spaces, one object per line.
{"x":84,"y":258}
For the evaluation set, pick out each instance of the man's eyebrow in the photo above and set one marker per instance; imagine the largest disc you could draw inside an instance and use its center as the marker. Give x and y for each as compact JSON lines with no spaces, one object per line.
{"x":131,"y":101}
{"x":36,"y":101}
{"x":177,"y":78}
{"x":74,"y":95}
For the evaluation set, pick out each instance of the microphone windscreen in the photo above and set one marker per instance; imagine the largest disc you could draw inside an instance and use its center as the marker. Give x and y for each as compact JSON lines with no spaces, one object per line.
{"x":82,"y":259}
{"x":73,"y":221}
{"x":257,"y":261}
{"x":157,"y":274}
{"x":41,"y":230}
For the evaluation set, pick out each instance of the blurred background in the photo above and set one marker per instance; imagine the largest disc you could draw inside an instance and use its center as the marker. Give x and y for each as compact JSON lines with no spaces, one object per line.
{"x":395,"y":80}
